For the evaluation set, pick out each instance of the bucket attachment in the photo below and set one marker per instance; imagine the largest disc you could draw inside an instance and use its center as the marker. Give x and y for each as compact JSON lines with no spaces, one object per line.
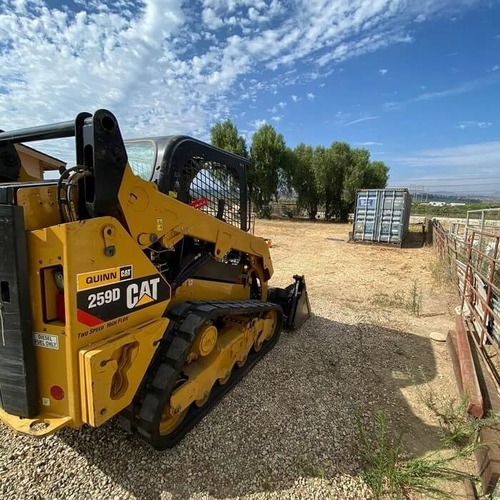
{"x":294,"y":301}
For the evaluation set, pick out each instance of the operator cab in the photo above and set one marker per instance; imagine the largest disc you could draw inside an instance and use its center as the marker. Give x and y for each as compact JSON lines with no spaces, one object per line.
{"x":203,"y":176}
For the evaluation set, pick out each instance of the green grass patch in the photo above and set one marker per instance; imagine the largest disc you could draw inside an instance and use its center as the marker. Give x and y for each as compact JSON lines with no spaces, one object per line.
{"x":410,"y":301}
{"x":389,"y":473}
{"x":457,"y":428}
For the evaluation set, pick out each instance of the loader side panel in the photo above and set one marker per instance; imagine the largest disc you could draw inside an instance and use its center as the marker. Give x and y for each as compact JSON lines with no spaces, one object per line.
{"x":18,"y":387}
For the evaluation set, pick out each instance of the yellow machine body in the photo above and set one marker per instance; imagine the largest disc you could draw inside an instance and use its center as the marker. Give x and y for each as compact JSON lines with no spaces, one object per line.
{"x":101,"y":309}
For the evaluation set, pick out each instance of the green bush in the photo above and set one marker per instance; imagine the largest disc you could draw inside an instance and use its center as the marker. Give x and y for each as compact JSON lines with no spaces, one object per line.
{"x":264,"y":212}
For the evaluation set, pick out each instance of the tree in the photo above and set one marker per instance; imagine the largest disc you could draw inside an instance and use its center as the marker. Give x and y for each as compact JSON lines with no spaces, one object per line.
{"x":304,"y":180}
{"x":224,"y":135}
{"x":287,"y":172}
{"x":342,"y":160}
{"x":267,"y":154}
{"x":332,"y":165}
{"x":377,"y":175}
{"x":355,"y":176}
{"x":364,"y":175}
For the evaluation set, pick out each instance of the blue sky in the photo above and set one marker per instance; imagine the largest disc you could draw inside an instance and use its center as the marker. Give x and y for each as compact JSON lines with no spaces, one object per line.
{"x":416,"y":82}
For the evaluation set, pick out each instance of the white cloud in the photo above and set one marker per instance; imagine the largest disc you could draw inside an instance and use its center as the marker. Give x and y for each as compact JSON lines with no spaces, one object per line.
{"x":282,"y":104}
{"x":393,"y":105}
{"x":460,"y":89}
{"x":473,"y":124}
{"x":370,"y":143}
{"x":256,"y":124}
{"x":471,"y":156}
{"x":295,"y":98}
{"x":440,"y":94}
{"x":163,"y":66}
{"x":256,"y":16}
{"x":310,"y":96}
{"x":372,"y":24}
{"x":468,"y":167}
{"x":382,"y":71}
{"x":495,"y":68}
{"x":371,"y":43}
{"x":277,"y":119}
{"x":211,"y":19}
{"x":360,"y":120}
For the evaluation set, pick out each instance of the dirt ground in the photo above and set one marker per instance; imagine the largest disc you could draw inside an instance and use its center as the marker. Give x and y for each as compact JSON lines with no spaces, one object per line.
{"x":289,"y":429}
{"x":379,"y":289}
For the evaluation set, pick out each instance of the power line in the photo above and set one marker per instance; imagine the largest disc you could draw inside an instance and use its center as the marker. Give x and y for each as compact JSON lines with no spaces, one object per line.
{"x":423,"y":179}
{"x":450,"y":180}
{"x":452,"y":185}
{"x":456,"y":184}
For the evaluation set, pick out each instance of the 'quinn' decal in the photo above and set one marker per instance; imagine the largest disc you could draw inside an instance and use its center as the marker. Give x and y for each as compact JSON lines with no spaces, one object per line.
{"x":98,"y":305}
{"x":103,"y":277}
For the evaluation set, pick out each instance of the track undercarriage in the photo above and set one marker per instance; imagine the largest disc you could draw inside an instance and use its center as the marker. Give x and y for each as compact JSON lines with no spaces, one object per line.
{"x":208,"y":348}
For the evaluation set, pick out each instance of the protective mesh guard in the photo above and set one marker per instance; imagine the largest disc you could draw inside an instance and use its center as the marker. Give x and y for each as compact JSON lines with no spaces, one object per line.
{"x":214,"y":190}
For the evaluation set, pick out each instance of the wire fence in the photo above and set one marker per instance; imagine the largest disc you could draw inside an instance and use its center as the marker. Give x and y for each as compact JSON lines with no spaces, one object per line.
{"x":291,"y":210}
{"x":471,"y":262}
{"x":287,"y":209}
{"x":484,"y":220}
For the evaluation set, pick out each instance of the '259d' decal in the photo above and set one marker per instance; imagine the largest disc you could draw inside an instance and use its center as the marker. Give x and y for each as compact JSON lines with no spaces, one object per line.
{"x":97,"y":305}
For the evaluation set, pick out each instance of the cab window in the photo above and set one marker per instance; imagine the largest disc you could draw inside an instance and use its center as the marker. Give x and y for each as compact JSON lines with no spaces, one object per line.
{"x":141,"y":157}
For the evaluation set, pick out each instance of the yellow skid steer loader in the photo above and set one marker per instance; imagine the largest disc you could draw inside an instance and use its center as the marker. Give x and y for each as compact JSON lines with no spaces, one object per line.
{"x":131,"y":286}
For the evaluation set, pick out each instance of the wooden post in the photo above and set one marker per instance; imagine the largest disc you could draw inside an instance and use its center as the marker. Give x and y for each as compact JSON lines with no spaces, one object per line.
{"x":428,"y":231}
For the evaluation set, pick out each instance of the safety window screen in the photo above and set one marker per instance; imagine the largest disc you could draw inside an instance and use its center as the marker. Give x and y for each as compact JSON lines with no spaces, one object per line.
{"x":141,"y":157}
{"x":214,"y":190}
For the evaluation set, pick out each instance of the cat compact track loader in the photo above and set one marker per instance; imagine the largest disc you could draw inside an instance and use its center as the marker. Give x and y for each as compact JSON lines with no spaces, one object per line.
{"x":131,"y":286}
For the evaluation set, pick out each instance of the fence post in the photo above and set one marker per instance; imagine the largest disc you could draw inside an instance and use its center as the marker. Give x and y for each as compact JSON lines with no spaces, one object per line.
{"x":428,"y":231}
{"x":490,"y":283}
{"x":467,"y":272}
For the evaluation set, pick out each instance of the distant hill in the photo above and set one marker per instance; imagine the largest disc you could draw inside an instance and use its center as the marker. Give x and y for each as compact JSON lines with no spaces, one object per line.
{"x":451,"y":197}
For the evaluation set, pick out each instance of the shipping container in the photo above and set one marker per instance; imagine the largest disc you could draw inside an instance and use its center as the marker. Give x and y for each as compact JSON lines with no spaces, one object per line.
{"x":382,"y":215}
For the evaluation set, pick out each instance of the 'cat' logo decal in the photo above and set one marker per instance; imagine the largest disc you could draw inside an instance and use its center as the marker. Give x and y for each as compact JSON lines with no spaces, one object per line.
{"x":101,"y":304}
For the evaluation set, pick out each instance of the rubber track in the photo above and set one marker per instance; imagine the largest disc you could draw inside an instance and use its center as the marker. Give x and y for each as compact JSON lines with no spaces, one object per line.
{"x":143,"y":417}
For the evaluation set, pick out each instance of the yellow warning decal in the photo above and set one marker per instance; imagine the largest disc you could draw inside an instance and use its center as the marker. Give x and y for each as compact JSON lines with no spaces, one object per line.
{"x":103,"y":277}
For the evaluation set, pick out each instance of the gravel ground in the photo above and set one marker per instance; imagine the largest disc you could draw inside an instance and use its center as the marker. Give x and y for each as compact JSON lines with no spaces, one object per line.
{"x":288,"y":430}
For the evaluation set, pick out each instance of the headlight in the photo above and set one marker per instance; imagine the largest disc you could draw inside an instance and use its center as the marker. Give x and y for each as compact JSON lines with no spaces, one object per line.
{"x":59,"y":279}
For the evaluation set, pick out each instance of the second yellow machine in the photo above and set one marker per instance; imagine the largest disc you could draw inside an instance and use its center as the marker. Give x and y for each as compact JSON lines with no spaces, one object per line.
{"x":132,"y":285}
